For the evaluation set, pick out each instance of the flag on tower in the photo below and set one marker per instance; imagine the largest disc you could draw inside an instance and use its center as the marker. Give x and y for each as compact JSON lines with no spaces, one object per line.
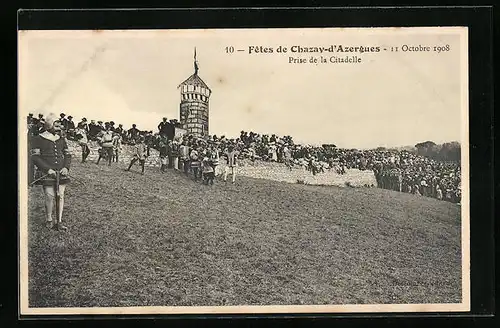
{"x":195,"y":62}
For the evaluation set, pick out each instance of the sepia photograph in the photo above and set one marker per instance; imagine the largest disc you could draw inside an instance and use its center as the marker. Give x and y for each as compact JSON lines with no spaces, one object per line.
{"x":291,"y":170}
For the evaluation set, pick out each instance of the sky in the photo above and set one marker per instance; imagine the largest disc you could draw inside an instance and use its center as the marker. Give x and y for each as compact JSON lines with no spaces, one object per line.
{"x":389,"y":99}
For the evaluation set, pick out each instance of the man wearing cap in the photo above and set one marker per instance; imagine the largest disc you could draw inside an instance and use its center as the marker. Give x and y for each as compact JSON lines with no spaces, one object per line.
{"x":50,"y":154}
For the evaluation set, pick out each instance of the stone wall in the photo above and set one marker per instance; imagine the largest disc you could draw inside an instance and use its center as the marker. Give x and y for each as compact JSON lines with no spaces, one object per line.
{"x":279,"y":172}
{"x":260,"y":170}
{"x":125,"y":155}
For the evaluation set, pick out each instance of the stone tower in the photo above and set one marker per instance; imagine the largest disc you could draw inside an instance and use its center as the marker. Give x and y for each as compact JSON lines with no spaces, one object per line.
{"x":194,"y":104}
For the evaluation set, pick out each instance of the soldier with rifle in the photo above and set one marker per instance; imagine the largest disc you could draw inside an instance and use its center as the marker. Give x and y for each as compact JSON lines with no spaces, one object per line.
{"x":50,"y":154}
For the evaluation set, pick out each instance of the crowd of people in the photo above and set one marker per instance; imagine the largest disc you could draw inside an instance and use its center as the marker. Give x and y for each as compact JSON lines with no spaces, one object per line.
{"x":403,"y":171}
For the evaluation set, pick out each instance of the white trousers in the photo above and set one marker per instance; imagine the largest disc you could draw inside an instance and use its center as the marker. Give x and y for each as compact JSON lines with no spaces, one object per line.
{"x":233,"y":172}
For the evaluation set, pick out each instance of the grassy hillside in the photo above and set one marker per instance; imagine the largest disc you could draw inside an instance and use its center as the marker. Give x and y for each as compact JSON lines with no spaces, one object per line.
{"x":161,"y":239}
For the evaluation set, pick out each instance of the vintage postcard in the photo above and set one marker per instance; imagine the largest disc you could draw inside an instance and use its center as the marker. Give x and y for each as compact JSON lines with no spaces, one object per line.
{"x":311,"y":170}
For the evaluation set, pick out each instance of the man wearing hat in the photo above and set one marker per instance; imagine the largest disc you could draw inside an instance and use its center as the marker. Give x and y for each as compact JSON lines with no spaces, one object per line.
{"x":163,"y":127}
{"x":50,"y":154}
{"x":40,"y":124}
{"x":70,"y":127}
{"x":32,"y":125}
{"x":63,"y":121}
{"x":30,"y":118}
{"x":84,"y":124}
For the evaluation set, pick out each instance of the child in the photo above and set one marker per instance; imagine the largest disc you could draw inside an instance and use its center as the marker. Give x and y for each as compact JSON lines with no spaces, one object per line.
{"x":208,"y":172}
{"x":139,"y":155}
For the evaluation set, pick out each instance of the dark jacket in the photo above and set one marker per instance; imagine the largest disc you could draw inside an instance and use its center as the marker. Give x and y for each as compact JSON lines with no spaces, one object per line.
{"x":50,"y":153}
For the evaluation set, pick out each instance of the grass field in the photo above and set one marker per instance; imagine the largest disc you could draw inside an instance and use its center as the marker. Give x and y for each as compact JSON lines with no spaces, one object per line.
{"x":160,"y":239}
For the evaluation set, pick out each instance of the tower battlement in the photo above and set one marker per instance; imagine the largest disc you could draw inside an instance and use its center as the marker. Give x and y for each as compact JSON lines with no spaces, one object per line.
{"x":194,"y":105}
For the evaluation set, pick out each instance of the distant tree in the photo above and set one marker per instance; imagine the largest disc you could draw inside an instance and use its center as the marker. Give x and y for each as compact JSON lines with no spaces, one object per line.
{"x":426,"y":148}
{"x":449,"y":151}
{"x":426,"y":144}
{"x":380,"y":149}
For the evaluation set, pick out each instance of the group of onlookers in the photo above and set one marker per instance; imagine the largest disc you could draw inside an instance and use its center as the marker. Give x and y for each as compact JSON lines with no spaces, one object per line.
{"x":397,"y":170}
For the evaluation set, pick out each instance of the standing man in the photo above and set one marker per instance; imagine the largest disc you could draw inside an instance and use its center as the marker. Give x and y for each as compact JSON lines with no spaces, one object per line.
{"x":163,"y":127}
{"x":93,"y":130}
{"x":70,"y":128}
{"x":163,"y":153}
{"x":175,"y":154}
{"x":51,"y":155}
{"x":105,"y":139}
{"x":287,"y":156}
{"x":171,"y":130}
{"x":184,"y":156}
{"x":84,"y":124}
{"x":63,"y":121}
{"x":81,"y":137}
{"x":231,"y":162}
{"x":117,"y":146}
{"x":133,"y":134}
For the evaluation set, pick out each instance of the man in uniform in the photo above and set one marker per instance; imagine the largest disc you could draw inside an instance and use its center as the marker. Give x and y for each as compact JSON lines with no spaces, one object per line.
{"x":51,"y":156}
